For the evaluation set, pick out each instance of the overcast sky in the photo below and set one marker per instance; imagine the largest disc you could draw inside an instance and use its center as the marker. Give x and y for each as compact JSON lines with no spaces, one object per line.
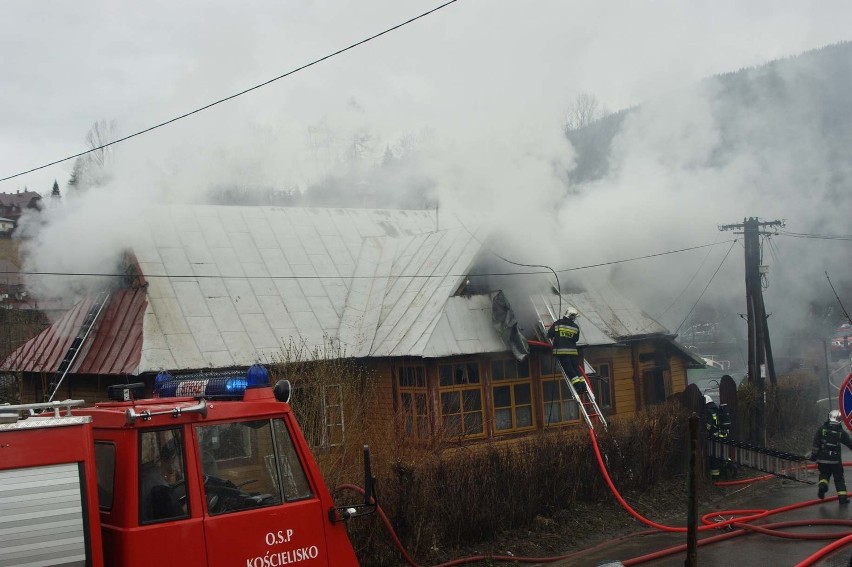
{"x":481,"y":88}
{"x":474,"y":71}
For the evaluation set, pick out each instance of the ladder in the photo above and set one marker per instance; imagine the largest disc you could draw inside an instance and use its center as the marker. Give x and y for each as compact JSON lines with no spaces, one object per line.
{"x":778,"y":463}
{"x":85,"y":328}
{"x":588,"y":408}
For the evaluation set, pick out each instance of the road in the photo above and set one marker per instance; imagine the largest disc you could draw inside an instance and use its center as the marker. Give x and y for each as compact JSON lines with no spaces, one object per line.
{"x":751,"y":549}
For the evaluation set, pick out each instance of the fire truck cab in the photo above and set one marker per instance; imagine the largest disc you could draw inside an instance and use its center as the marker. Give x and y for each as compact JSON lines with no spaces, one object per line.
{"x":213,"y":471}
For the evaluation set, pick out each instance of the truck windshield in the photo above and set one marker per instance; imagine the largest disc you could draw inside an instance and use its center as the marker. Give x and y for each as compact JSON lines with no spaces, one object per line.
{"x":249,"y":464}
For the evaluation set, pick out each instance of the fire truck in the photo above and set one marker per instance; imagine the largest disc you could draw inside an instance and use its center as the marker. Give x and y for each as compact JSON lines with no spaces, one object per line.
{"x":211,"y":470}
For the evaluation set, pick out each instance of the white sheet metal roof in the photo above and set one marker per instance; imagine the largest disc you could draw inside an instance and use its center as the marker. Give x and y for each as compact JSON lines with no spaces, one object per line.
{"x":605,"y":316}
{"x":465,"y":327}
{"x":244,"y":284}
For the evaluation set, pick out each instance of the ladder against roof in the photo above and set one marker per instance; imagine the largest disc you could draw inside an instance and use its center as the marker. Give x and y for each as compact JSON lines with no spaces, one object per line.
{"x":586,"y":402}
{"x":544,"y":313}
{"x":85,"y":328}
{"x":778,"y":463}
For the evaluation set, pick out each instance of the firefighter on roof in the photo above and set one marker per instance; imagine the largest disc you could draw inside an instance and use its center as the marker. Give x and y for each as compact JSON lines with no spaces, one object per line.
{"x":564,"y":334}
{"x":826,"y":452}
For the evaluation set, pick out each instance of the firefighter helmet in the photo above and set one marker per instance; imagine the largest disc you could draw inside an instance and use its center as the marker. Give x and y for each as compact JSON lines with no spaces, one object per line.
{"x":708,"y":399}
{"x":834,"y":415}
{"x":571,"y":312}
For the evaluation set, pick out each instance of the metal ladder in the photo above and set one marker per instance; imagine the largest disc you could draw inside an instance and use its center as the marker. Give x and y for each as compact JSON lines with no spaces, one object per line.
{"x":764,"y":459}
{"x":74,"y":349}
{"x":589,"y":408}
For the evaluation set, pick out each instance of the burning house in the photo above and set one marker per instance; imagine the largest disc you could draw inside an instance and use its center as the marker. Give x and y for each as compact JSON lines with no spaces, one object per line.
{"x":207,"y":287}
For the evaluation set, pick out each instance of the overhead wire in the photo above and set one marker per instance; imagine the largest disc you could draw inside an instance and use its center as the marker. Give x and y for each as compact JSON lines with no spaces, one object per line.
{"x":689,"y":283}
{"x":235,"y":95}
{"x":843,"y":237}
{"x":707,"y":286}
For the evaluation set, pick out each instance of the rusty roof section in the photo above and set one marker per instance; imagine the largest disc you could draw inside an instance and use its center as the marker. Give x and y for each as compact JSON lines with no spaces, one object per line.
{"x":114,"y":346}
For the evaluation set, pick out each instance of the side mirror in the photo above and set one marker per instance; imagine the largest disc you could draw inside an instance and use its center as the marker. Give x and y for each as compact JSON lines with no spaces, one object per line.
{"x":345,"y":513}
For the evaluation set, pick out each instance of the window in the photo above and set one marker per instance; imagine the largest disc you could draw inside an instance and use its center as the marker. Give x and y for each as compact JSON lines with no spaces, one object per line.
{"x":558,"y":405}
{"x":413,"y":401}
{"x":461,"y":399}
{"x":162,"y":476}
{"x":332,"y":411}
{"x":654,"y":386}
{"x":603,"y":384}
{"x":267,"y":473}
{"x":512,"y":392}
{"x":105,"y":465}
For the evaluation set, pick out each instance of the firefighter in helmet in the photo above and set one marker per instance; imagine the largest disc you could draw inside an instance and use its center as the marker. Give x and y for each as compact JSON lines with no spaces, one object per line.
{"x":826,"y":452}
{"x":717,"y":424}
{"x":564,"y":334}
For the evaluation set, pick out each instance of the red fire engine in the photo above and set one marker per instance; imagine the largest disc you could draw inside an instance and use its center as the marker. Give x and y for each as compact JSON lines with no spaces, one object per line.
{"x":213,"y":470}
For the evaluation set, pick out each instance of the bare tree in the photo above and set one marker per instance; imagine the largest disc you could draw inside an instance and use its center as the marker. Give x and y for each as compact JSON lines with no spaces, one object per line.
{"x":100,"y":134}
{"x":585,"y":109}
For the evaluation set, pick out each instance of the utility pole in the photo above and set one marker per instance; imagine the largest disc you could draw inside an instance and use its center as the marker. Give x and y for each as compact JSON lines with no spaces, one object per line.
{"x":759,"y":345}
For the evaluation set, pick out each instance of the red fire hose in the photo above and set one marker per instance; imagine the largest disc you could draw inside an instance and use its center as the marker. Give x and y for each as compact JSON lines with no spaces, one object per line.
{"x":739,"y":521}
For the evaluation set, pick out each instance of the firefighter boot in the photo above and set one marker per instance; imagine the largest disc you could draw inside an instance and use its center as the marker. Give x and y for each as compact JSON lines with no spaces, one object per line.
{"x":823,"y":488}
{"x":842,"y":498}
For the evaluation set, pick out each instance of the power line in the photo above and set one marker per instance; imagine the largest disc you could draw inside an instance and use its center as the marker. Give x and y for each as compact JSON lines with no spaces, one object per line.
{"x":845,"y":237}
{"x":706,"y":286}
{"x":337,"y":276}
{"x":235,"y":95}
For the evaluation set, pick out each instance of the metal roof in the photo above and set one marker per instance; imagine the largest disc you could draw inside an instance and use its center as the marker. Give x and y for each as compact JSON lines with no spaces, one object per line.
{"x":115,"y":346}
{"x":245,"y":284}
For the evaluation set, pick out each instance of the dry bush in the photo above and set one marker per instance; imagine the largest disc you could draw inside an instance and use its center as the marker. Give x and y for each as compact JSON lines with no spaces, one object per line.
{"x":473,"y":494}
{"x":792,"y":413}
{"x":329,"y":398}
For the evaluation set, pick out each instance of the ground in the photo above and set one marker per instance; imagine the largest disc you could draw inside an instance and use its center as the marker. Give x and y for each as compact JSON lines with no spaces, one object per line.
{"x":589,"y":525}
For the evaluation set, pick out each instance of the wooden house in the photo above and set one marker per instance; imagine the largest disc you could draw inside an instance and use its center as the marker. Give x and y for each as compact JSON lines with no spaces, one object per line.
{"x":227,"y":287}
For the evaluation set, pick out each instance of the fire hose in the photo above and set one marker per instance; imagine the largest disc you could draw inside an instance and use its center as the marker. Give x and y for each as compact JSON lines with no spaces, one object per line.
{"x":738,"y":523}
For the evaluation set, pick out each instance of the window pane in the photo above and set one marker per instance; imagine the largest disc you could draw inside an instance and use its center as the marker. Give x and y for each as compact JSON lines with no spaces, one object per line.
{"x":405,"y":398}
{"x":472,"y":373}
{"x":497,"y":370}
{"x":450,"y":402}
{"x":503,"y":419}
{"x":446,"y":375}
{"x":502,"y":397}
{"x":523,"y":416}
{"x":420,"y":380}
{"x":550,"y":390}
{"x":420,"y":400}
{"x":105,"y":465}
{"x":569,"y":410}
{"x":452,"y":425}
{"x":458,"y":374}
{"x":522,"y":394}
{"x":511,"y":369}
{"x":162,"y":474}
{"x":552,"y":413}
{"x":473,"y":423}
{"x":547,"y":363}
{"x":296,"y":486}
{"x":524,"y":368}
{"x":472,"y":400}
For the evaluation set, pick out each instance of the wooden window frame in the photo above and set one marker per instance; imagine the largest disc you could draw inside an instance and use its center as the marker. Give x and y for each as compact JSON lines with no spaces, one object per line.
{"x":599,"y":385}
{"x":564,"y":397}
{"x":413,"y":425}
{"x":511,"y":380}
{"x":461,"y":385}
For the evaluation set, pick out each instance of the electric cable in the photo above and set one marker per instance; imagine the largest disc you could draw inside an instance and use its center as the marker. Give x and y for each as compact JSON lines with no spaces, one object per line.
{"x":846,"y":237}
{"x":707,"y":286}
{"x":235,"y":95}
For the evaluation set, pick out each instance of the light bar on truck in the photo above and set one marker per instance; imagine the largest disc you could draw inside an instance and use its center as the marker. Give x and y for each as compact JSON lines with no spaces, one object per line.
{"x":226,"y":384}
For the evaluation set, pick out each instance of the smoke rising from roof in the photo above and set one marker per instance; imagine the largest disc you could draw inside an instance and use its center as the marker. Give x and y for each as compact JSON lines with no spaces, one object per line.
{"x":464,"y":110}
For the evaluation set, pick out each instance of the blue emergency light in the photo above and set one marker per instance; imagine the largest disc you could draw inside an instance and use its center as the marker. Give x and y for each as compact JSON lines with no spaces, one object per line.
{"x":226,"y":384}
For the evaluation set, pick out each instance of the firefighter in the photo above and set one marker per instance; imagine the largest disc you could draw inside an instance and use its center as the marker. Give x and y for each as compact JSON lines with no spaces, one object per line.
{"x":826,"y":452}
{"x":564,"y":334}
{"x":717,"y":425}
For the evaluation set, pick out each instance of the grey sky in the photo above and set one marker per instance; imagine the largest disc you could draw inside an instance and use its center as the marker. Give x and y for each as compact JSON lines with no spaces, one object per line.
{"x":471,"y":72}
{"x":480,"y":87}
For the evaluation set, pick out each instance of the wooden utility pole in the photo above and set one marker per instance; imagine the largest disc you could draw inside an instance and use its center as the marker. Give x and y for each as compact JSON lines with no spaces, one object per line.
{"x":759,"y":345}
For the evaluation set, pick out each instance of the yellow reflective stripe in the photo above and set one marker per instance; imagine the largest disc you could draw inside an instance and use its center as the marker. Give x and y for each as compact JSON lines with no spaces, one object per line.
{"x":561,"y":351}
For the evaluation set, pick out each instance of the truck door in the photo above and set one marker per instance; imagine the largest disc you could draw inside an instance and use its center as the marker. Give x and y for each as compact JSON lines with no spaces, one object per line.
{"x":260,"y":507}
